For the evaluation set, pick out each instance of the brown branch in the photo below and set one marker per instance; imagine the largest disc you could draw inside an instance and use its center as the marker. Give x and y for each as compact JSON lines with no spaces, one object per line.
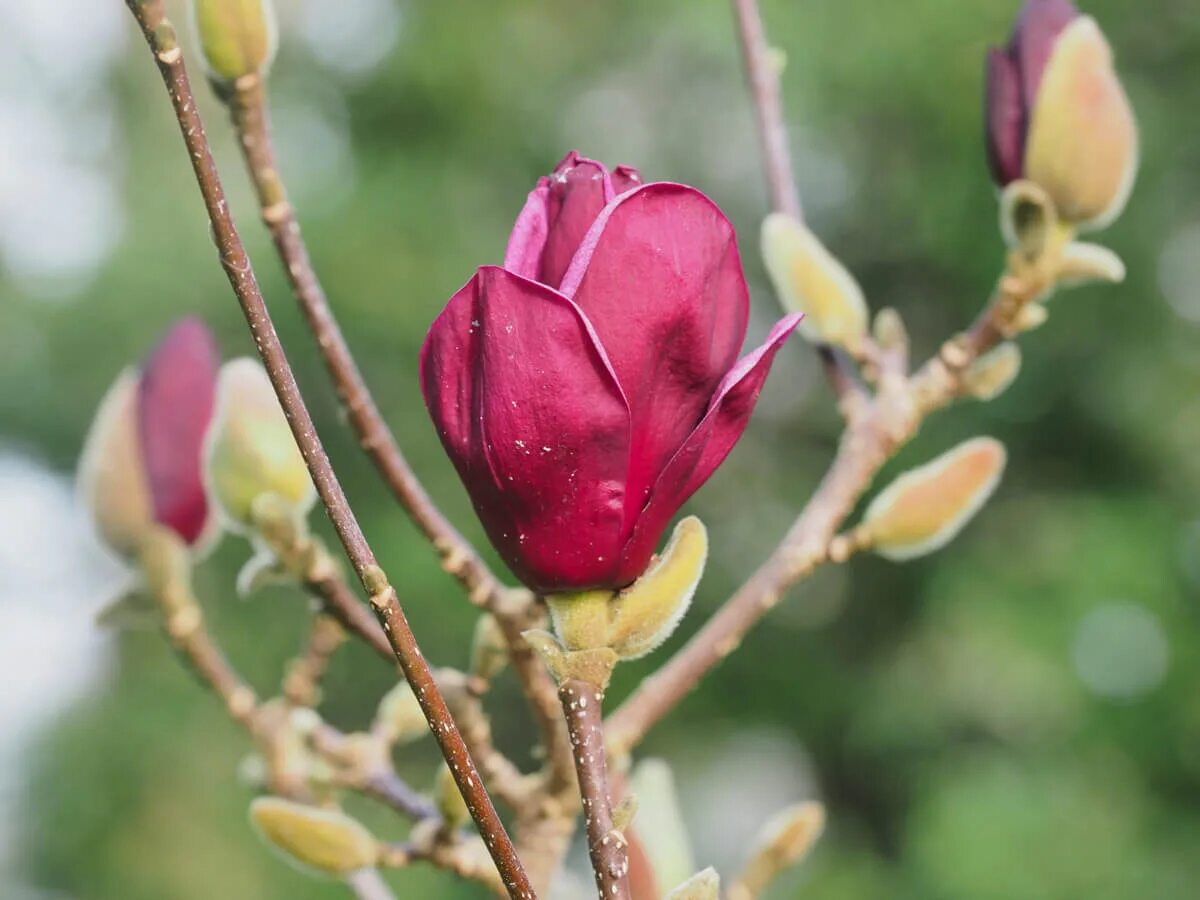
{"x":160,"y":36}
{"x":763,"y":75}
{"x":250,"y":118}
{"x":512,"y":608}
{"x":581,"y":704}
{"x":877,"y":427}
{"x":302,"y":683}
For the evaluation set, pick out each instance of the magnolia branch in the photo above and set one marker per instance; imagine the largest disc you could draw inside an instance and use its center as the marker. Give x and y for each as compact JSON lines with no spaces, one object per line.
{"x":581,"y":704}
{"x":876,"y":427}
{"x":249,"y":113}
{"x":512,"y":607}
{"x":160,"y":36}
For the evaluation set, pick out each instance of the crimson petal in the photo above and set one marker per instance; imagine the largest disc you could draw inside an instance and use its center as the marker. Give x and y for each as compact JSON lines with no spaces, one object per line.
{"x":531,"y":416}
{"x":1004,"y":118}
{"x":705,"y":449}
{"x":175,"y":404}
{"x":660,"y":279}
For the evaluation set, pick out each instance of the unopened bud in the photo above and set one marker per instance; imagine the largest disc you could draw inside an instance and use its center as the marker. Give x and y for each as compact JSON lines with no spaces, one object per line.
{"x":237,"y":37}
{"x":449,"y":801}
{"x":648,"y":611}
{"x":489,"y":650}
{"x":923,"y":509}
{"x":399,"y":718}
{"x":141,"y":463}
{"x":704,"y":885}
{"x":809,"y":279}
{"x":990,"y":375}
{"x":784,"y":841}
{"x":322,"y":840}
{"x":1083,"y":143}
{"x":251,"y":451}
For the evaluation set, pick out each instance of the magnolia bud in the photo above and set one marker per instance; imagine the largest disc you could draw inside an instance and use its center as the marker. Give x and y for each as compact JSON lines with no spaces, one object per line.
{"x":111,"y":477}
{"x":237,"y":37}
{"x":704,"y":885}
{"x":645,"y":613}
{"x":322,"y":840}
{"x":990,"y":375}
{"x":784,"y":841}
{"x":923,"y":509}
{"x":399,"y":718}
{"x":251,"y":451}
{"x":809,"y":279}
{"x":141,"y":463}
{"x":1083,"y":143}
{"x":449,"y":801}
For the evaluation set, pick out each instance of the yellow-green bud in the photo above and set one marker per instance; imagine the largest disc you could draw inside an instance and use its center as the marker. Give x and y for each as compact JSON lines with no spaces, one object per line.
{"x":990,"y":375}
{"x":704,"y":885}
{"x":809,"y":279}
{"x":399,"y":718}
{"x":237,"y":37}
{"x":1083,"y":141}
{"x":449,"y":800}
{"x":784,"y":841}
{"x":321,"y":840}
{"x":923,"y":509}
{"x":251,"y":451}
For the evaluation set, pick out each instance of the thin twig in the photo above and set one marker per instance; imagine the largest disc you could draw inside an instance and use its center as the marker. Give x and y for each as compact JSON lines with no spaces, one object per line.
{"x":877,"y":428}
{"x":368,"y":884}
{"x":302,"y":682}
{"x":250,"y":117}
{"x":763,"y":75}
{"x":606,"y":846}
{"x":250,"y":114}
{"x":160,"y":35}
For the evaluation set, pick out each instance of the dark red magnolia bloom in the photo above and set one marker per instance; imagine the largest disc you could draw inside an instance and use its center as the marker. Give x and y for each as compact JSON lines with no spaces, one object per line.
{"x":1014,"y":75}
{"x":586,"y":389}
{"x":174,"y":407}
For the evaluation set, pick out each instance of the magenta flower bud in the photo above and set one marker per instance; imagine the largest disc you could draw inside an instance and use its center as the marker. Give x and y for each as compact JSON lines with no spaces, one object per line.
{"x":586,"y":389}
{"x":1057,"y":114}
{"x":142,"y":462}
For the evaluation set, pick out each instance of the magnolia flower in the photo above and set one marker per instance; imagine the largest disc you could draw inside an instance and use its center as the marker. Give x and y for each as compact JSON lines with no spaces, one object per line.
{"x":142,"y":460}
{"x":1057,"y":115}
{"x":588,"y":387}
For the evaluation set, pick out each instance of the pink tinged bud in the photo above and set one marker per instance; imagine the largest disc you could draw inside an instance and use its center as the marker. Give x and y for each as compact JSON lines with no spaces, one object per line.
{"x":141,"y":464}
{"x":251,"y":451}
{"x":1082,"y":146}
{"x":923,"y":509}
{"x":1057,"y":114}
{"x":581,"y":418}
{"x":1013,"y":76}
{"x":175,"y":404}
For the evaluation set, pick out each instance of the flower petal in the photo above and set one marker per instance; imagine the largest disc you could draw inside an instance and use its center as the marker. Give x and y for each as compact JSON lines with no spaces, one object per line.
{"x":705,"y":449}
{"x":528,"y":239}
{"x":1033,"y":39}
{"x":175,"y":404}
{"x":660,"y":279}
{"x":1004,"y":116}
{"x":531,"y":416}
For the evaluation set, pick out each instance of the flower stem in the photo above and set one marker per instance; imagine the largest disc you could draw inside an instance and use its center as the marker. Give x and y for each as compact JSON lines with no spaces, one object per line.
{"x":160,"y":35}
{"x":581,"y":703}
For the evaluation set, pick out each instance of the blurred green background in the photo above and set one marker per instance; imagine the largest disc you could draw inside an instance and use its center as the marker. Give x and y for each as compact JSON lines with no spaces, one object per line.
{"x":1014,"y":717}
